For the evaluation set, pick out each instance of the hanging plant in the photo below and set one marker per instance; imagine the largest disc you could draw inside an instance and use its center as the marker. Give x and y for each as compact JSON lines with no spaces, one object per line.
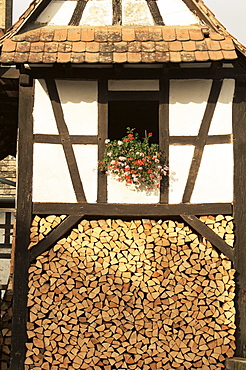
{"x":134,"y":161}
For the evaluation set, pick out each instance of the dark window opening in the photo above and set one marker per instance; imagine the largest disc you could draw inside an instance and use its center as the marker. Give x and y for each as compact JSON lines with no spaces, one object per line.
{"x":141,"y":115}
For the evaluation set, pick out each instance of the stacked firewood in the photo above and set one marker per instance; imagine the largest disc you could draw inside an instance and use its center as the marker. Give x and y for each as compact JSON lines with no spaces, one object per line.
{"x":6,"y":329}
{"x":222,"y":226}
{"x":142,"y":295}
{"x":41,"y":227}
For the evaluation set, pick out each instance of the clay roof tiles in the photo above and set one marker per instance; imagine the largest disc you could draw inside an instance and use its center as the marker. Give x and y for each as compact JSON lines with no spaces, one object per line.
{"x":117,"y":45}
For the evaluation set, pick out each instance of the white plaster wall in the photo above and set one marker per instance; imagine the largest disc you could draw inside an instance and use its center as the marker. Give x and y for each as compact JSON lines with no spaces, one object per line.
{"x":175,"y":12}
{"x":222,"y":119}
{"x":79,"y":104}
{"x":51,"y":178}
{"x":136,"y":12}
{"x":188,"y":100}
{"x":119,"y":192}
{"x":87,"y":159}
{"x":179,"y":163}
{"x":97,"y":13}
{"x":43,"y":117}
{"x":133,"y":85}
{"x":215,"y":178}
{"x":4,"y":271}
{"x":57,"y":13}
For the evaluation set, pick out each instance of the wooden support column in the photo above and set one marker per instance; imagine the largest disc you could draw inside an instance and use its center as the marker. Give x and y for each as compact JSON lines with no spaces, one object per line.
{"x":239,"y":131}
{"x":23,"y":222}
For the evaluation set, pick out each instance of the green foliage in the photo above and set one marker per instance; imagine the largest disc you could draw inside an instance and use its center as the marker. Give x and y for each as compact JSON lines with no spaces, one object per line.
{"x":133,"y":160}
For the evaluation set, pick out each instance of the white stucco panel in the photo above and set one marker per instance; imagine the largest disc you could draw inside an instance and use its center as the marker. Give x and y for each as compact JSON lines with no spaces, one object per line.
{"x":51,"y":178}
{"x":79,"y":104}
{"x":119,"y":192}
{"x":222,"y":119}
{"x":179,"y":165}
{"x":133,"y":85}
{"x":136,"y":12}
{"x":97,"y":13}
{"x":214,"y":183}
{"x":175,"y":12}
{"x":87,"y":158}
{"x":57,"y":13}
{"x":188,"y":100}
{"x":4,"y":271}
{"x":43,"y":116}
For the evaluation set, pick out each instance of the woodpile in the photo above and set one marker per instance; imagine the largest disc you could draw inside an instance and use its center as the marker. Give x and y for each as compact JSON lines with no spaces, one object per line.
{"x":6,"y":328}
{"x":141,"y":294}
{"x":222,"y":226}
{"x":41,"y":227}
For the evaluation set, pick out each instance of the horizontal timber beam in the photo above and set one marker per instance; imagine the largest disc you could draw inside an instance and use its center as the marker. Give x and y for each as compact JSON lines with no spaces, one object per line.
{"x":209,"y":234}
{"x":132,"y":210}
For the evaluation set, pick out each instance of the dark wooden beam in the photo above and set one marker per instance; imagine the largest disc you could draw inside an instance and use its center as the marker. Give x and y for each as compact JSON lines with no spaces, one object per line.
{"x":117,"y":12}
{"x":66,"y":142}
{"x":209,"y":234}
{"x":239,"y":130}
{"x":132,"y":210}
{"x":202,"y":139}
{"x":78,"y":12}
{"x":54,"y":236}
{"x":133,"y":95}
{"x":55,"y":139}
{"x":9,"y":72}
{"x":102,"y":136}
{"x":191,"y":140}
{"x":155,"y":12}
{"x":23,"y":223}
{"x":164,"y":133}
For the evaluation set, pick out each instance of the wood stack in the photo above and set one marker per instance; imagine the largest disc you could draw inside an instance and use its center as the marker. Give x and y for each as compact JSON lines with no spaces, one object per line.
{"x":141,"y":295}
{"x":6,"y":329}
{"x":41,"y":227}
{"x":222,"y":226}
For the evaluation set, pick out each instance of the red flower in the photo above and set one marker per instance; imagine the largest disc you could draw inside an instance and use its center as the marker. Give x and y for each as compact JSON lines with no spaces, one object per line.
{"x":126,"y":139}
{"x":149,"y":171}
{"x":129,"y":181}
{"x":130,"y":135}
{"x":130,"y":159}
{"x":150,"y":133}
{"x":152,"y":176}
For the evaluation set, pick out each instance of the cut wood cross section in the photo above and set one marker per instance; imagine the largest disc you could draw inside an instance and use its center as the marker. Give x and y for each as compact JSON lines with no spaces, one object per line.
{"x":209,"y":234}
{"x":54,"y":236}
{"x":202,"y":139}
{"x":65,"y":141}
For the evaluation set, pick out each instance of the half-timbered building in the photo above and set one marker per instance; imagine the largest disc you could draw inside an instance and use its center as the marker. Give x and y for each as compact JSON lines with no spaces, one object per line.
{"x":108,"y":276}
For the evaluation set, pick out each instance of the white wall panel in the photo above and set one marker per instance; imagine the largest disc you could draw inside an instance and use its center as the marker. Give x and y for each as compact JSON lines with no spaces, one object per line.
{"x":119,"y":192}
{"x":80,"y":107}
{"x":97,"y":13}
{"x":215,"y":178}
{"x":136,"y":12}
{"x":175,"y":12}
{"x":179,"y":163}
{"x":87,"y":159}
{"x":222,"y":119}
{"x":4,"y":271}
{"x":188,"y":100}
{"x":57,"y":13}
{"x":43,"y":117}
{"x":51,"y":178}
{"x":133,"y":85}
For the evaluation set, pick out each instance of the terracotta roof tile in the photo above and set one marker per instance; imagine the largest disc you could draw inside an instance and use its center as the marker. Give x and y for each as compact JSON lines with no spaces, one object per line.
{"x":74,"y":34}
{"x":63,"y":57}
{"x":60,"y":34}
{"x":215,"y":55}
{"x":196,"y":34}
{"x":87,"y":34}
{"x":128,"y":34}
{"x":119,"y":57}
{"x":168,"y":34}
{"x":78,"y":47}
{"x":182,"y":34}
{"x":216,"y":36}
{"x":117,"y":45}
{"x":65,"y":47}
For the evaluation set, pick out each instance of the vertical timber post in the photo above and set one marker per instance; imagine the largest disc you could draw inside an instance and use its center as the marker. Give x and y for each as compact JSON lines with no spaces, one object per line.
{"x":23,"y":222}
{"x":239,"y":132}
